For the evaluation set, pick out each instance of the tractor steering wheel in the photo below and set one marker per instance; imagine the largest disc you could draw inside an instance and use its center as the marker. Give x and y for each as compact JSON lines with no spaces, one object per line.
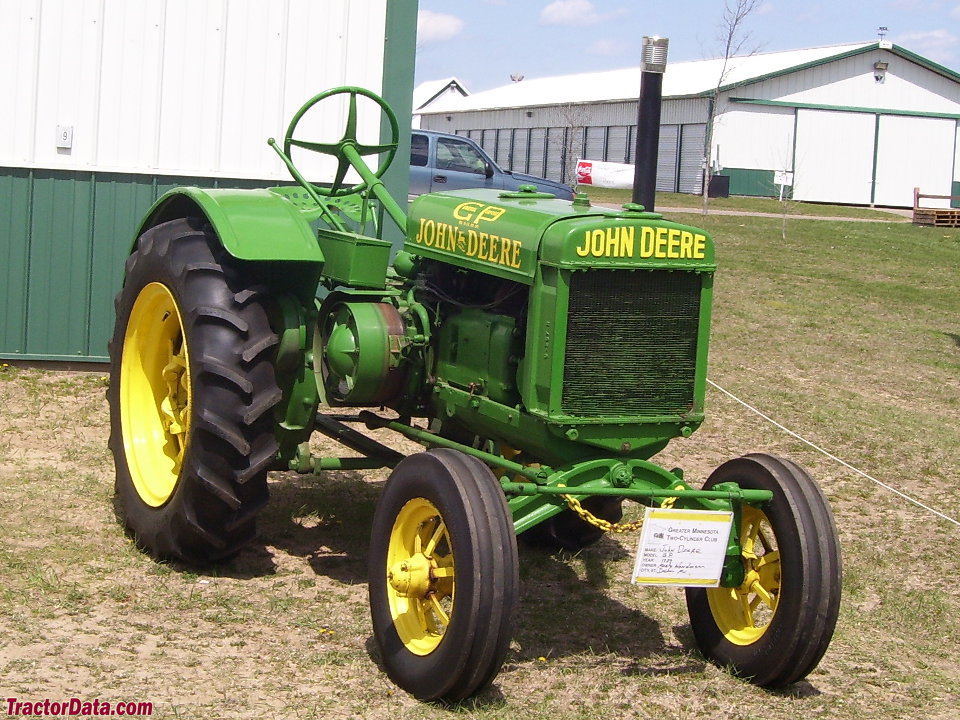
{"x":349,"y":140}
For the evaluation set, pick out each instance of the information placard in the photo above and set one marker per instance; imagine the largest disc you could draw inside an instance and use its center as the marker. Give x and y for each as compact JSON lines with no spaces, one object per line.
{"x":682,"y":547}
{"x":782,"y":177}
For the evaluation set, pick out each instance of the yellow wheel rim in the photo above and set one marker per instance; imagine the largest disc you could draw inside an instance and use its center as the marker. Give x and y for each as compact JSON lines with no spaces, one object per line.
{"x":744,"y":613}
{"x":420,"y":576}
{"x":155,"y":395}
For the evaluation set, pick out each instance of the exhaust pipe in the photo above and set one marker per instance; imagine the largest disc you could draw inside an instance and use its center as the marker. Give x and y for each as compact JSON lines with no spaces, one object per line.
{"x":652,"y":65}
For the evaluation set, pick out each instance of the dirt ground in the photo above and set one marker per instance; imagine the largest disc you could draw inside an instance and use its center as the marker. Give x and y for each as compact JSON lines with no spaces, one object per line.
{"x":283,"y":629}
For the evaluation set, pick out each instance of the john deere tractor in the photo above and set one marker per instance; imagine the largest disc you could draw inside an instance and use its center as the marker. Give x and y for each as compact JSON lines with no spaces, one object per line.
{"x":541,"y":350}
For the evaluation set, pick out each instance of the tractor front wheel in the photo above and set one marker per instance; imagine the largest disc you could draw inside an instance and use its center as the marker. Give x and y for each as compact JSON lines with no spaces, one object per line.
{"x":191,"y":395}
{"x":443,"y":575}
{"x":774,"y":627}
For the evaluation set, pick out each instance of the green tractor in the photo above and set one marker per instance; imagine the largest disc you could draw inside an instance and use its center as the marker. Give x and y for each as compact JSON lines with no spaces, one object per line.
{"x":542,"y":351}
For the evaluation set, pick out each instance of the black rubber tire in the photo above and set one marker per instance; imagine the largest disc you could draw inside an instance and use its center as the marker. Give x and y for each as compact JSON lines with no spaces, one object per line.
{"x":567,"y":531}
{"x":810,"y":578}
{"x":474,"y":509}
{"x":221,"y":482}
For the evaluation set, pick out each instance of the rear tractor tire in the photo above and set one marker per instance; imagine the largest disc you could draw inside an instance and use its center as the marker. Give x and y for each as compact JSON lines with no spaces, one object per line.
{"x":774,"y":627}
{"x":191,"y":396}
{"x":444,"y":580}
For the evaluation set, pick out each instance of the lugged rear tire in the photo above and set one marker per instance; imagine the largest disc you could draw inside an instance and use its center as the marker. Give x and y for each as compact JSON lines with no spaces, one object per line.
{"x":191,"y":395}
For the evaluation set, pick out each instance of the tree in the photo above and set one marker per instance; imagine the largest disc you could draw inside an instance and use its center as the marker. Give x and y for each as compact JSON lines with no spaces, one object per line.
{"x":733,"y":37}
{"x":573,"y":119}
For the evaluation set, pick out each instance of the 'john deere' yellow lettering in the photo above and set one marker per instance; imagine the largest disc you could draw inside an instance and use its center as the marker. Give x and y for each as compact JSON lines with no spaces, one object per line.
{"x":672,"y":244}
{"x":607,"y":242}
{"x":662,"y":243}
{"x":492,"y":249}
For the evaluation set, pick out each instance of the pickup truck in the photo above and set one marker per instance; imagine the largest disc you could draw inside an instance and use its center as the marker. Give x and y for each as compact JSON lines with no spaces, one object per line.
{"x":439,"y":161}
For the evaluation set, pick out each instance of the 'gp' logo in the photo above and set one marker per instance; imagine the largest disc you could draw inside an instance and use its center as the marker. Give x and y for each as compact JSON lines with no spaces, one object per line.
{"x":472,"y":212}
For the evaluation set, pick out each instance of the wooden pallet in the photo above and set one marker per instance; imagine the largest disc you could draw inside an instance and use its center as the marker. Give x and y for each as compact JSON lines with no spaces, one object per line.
{"x":937,"y":217}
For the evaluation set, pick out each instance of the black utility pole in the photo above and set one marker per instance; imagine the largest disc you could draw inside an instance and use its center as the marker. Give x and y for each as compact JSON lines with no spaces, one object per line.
{"x":653,"y":64}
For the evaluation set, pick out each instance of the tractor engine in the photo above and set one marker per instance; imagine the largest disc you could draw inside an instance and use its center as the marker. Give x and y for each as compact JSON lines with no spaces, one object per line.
{"x":549,"y":326}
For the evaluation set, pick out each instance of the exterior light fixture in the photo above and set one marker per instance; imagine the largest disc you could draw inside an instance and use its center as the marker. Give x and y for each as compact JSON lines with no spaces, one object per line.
{"x":879,"y":70}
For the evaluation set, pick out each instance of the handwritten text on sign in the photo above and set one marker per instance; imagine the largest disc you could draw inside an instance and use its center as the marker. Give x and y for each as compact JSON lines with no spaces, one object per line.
{"x":682,"y":547}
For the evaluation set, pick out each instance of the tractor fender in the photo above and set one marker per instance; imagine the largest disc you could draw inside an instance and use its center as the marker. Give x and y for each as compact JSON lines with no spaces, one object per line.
{"x":254,"y":224}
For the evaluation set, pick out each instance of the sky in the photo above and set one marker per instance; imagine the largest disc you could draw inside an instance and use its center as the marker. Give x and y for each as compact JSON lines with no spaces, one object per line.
{"x":483,"y":42}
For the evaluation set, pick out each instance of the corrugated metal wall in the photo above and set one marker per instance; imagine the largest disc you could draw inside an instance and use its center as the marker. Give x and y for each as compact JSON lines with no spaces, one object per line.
{"x":910,"y":154}
{"x":832,"y":163}
{"x":883,"y":157}
{"x":59,"y":286}
{"x":675,"y":111}
{"x":693,"y":139}
{"x":755,"y":136}
{"x":176,"y":86}
{"x":956,"y":169}
{"x":850,"y":82}
{"x":824,"y":135}
{"x":668,"y":158}
{"x":552,"y":152}
{"x":158,"y":93}
{"x":547,"y":140}
{"x":858,"y":140}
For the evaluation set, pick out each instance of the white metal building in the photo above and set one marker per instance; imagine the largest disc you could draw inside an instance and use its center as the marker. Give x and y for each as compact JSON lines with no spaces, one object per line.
{"x":175,"y":87}
{"x":859,"y":124}
{"x":108,"y":103}
{"x":435,"y":91}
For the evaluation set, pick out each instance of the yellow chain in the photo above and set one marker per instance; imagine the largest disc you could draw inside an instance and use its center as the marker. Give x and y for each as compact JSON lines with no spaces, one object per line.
{"x":606,"y":525}
{"x":668,"y":502}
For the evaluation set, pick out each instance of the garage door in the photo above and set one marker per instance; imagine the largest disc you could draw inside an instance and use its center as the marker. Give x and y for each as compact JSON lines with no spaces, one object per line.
{"x":833,"y":161}
{"x":667,"y":158}
{"x":914,"y":152}
{"x":617,"y":144}
{"x":692,"y":142}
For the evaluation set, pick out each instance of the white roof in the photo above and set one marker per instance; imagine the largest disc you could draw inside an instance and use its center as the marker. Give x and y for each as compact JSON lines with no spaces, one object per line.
{"x":680,"y":80}
{"x":427,"y":91}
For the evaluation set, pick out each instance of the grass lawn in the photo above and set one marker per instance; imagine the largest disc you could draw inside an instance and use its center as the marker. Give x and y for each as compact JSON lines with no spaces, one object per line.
{"x":739,"y":203}
{"x":847,"y":333}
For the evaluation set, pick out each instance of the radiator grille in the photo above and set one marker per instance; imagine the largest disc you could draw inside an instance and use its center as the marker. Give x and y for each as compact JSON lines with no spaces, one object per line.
{"x":631,"y":343}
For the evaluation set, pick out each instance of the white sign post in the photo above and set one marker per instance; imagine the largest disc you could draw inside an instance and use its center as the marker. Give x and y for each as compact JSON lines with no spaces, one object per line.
{"x":682,"y":547}
{"x":782,"y":178}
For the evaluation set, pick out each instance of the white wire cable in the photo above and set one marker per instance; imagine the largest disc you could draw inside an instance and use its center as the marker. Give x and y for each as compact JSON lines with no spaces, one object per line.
{"x":834,"y":457}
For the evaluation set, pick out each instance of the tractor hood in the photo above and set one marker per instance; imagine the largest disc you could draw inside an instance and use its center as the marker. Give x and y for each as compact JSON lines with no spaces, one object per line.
{"x":542,"y":184}
{"x":507,"y":234}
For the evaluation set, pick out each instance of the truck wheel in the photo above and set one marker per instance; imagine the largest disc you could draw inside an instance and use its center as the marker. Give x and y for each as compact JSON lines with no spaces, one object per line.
{"x":567,"y":531}
{"x":191,"y":396}
{"x":774,"y":627}
{"x":443,"y":575}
